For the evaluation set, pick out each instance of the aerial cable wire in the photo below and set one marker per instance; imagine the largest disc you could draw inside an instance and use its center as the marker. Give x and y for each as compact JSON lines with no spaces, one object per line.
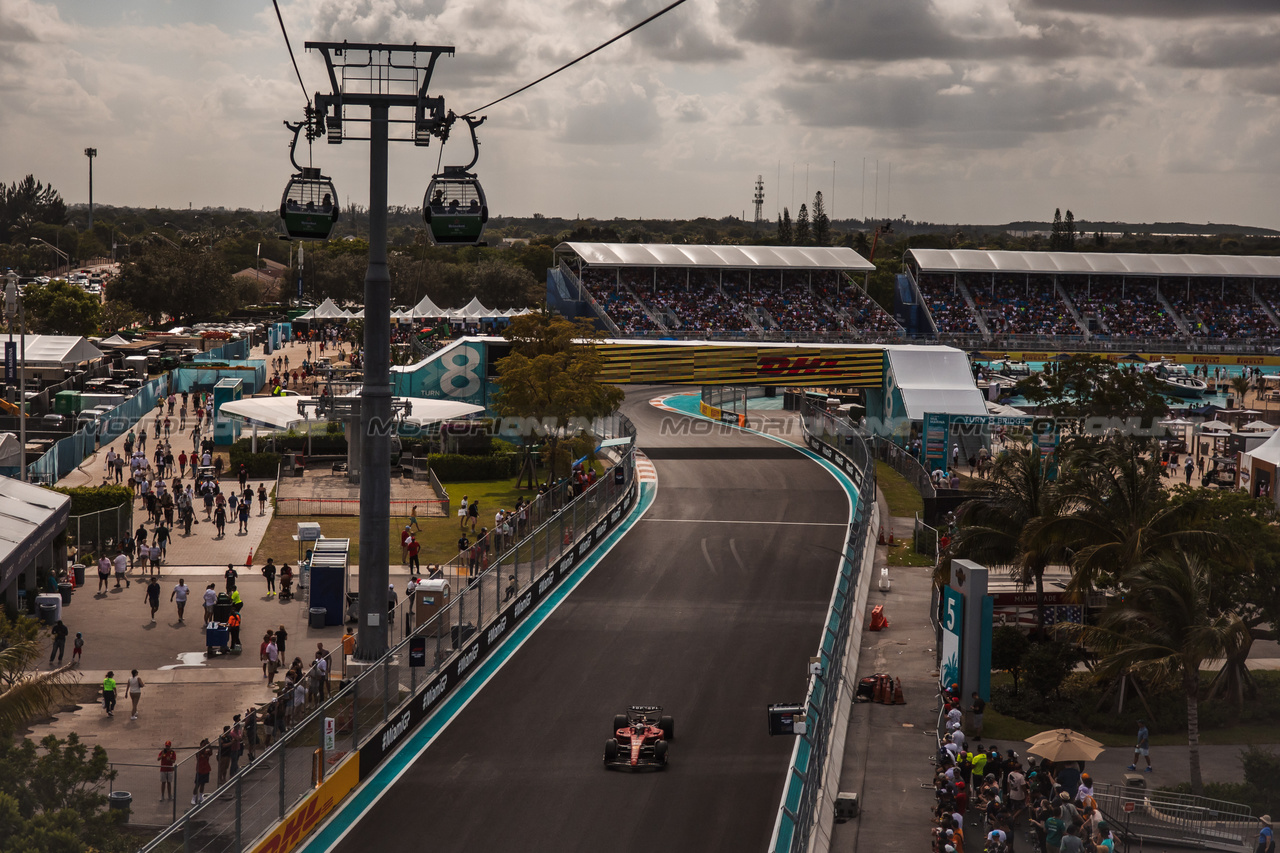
{"x":292,"y":59}
{"x":594,"y":50}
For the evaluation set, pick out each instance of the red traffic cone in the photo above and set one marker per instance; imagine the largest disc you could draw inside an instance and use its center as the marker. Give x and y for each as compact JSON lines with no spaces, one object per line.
{"x":880,"y":538}
{"x":248,"y":562}
{"x":890,"y":537}
{"x":897,"y":694}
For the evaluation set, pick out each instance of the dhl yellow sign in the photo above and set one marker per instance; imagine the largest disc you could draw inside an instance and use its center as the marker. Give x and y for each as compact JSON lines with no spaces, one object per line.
{"x":674,"y":363}
{"x":308,"y":814}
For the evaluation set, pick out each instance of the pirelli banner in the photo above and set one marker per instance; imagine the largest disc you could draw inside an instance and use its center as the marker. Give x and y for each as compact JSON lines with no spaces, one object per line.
{"x":704,"y":363}
{"x":490,"y":636}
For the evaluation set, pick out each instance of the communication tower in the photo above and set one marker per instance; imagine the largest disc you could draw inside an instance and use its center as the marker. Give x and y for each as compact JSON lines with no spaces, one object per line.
{"x":758,"y":198}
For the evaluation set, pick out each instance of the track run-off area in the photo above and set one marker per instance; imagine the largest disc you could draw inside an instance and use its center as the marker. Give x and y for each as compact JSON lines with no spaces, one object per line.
{"x":709,"y":603}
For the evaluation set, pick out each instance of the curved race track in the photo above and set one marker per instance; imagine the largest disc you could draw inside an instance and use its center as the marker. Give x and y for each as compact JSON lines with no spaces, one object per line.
{"x":710,"y":607}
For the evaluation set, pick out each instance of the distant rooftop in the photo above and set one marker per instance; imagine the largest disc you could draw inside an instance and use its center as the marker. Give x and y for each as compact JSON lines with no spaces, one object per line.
{"x":1096,"y":263}
{"x":718,"y":257}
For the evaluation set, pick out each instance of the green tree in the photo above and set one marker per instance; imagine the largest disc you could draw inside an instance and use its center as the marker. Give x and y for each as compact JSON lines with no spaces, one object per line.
{"x":181,"y":284}
{"x":1166,"y":627}
{"x":785,"y":235}
{"x":821,"y":222}
{"x":1000,"y":526}
{"x":1008,"y":649}
{"x":1117,"y":514}
{"x":1069,"y":232}
{"x":1089,"y":386}
{"x":1047,"y":664}
{"x":804,"y":235}
{"x":25,"y":203}
{"x":26,"y":693}
{"x":51,"y":798}
{"x":61,"y":308}
{"x":1057,"y":242}
{"x":551,"y":377}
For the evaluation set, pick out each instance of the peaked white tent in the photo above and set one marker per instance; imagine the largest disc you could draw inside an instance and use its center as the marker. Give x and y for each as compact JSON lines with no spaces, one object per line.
{"x":1258,"y":468}
{"x":474,"y":310}
{"x":328,"y":310}
{"x":427,"y":308}
{"x":115,"y":341}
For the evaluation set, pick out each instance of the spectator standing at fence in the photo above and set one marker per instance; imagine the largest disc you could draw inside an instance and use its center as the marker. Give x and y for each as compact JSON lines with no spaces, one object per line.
{"x":224,"y":756}
{"x":203,"y":769}
{"x":168,"y":763}
{"x":237,"y":744}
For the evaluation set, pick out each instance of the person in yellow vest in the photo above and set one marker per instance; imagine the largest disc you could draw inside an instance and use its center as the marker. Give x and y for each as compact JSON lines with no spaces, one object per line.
{"x":233,"y":623}
{"x":109,"y":693}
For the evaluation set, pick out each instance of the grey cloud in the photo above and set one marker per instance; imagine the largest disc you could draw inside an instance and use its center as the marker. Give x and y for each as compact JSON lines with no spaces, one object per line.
{"x":888,"y":30}
{"x":983,"y":115}
{"x":620,"y":121}
{"x":1159,"y":8}
{"x":1223,"y":49}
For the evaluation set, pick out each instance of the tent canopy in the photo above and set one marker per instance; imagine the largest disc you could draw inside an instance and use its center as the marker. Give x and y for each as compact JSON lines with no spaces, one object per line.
{"x":1096,"y":263}
{"x":57,"y":350}
{"x":1268,"y":451}
{"x":719,"y":257}
{"x":935,"y":379}
{"x":278,"y":413}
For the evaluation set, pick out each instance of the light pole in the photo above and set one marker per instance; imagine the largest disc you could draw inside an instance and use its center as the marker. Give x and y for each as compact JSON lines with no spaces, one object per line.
{"x":91,"y":153}
{"x":13,"y":306}
{"x":59,"y":253}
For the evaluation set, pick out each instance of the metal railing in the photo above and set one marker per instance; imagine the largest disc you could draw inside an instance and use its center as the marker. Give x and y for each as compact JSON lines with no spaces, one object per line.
{"x":800,"y":803}
{"x":267,"y":789}
{"x":901,"y":460}
{"x":924,"y":539}
{"x":1183,"y":820}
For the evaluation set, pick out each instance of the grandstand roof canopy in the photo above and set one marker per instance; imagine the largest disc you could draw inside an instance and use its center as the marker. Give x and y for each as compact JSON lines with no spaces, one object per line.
{"x":1096,"y":263}
{"x":718,"y":257}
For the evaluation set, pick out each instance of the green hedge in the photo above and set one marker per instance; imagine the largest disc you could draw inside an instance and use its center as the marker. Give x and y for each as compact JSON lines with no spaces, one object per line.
{"x":322,"y":443}
{"x":455,"y":467}
{"x":87,"y":499}
{"x":260,"y":465}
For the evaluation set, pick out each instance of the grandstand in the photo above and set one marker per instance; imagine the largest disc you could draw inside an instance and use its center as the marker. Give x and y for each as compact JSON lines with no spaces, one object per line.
{"x":680,"y":291}
{"x":1095,"y":298}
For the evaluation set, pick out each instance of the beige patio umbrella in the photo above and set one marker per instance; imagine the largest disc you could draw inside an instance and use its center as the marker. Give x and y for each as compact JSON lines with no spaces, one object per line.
{"x":1065,"y":745}
{"x":1055,"y":734}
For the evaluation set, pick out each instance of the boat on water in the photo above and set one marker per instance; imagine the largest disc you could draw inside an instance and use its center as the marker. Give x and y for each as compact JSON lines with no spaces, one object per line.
{"x":1175,"y":380}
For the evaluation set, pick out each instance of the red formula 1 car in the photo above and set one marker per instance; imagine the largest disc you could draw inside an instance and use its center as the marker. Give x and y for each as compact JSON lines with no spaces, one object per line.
{"x":639,"y":739}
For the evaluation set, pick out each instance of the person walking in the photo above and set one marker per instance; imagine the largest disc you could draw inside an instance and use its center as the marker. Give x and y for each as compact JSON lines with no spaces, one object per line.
{"x":220,"y":520}
{"x":135,"y":691}
{"x":230,"y":574}
{"x":462,"y":513}
{"x":104,"y":573}
{"x":168,"y":769}
{"x":272,"y":659}
{"x":179,"y":595}
{"x":109,"y":694}
{"x":1142,"y":749}
{"x":152,"y":596}
{"x":59,"y":632}
{"x":77,"y":648}
{"x":413,"y":519}
{"x":244,"y":517}
{"x":202,"y":771}
{"x":1266,"y":838}
{"x":262,"y":499}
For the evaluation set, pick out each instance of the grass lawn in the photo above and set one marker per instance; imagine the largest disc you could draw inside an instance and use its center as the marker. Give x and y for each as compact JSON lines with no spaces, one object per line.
{"x":998,"y":728}
{"x":902,"y":554}
{"x":903,"y":498}
{"x":439,"y":536}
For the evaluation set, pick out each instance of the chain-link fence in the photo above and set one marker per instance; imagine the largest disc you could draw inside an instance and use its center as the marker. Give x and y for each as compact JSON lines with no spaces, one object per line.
{"x":262,"y":793}
{"x":101,"y":532}
{"x":924,"y":539}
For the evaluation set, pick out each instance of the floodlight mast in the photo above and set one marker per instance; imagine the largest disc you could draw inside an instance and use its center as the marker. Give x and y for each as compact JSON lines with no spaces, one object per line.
{"x":377,"y":77}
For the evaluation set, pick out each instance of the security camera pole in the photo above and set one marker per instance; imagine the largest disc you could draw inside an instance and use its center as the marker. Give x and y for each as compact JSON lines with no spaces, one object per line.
{"x":370,"y":80}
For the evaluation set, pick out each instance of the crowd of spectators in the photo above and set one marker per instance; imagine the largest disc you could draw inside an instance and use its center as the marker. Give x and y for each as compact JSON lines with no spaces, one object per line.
{"x":735,"y":301}
{"x":1125,"y":309}
{"x":947,"y":306}
{"x":1230,"y":312}
{"x":1016,"y":307}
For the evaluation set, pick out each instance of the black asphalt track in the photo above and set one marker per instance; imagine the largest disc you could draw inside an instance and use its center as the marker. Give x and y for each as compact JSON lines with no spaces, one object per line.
{"x":710,"y":607}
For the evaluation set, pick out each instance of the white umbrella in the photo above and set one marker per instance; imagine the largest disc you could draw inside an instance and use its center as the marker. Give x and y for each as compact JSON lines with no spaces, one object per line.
{"x":1213,"y":426}
{"x":1258,"y":426}
{"x":1177,"y":422}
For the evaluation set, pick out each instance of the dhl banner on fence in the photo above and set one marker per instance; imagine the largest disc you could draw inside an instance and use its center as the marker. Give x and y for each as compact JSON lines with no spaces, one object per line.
{"x":308,"y":813}
{"x":681,"y":363}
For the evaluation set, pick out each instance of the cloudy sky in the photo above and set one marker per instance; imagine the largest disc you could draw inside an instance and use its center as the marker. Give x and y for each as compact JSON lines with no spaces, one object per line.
{"x":981,"y":110}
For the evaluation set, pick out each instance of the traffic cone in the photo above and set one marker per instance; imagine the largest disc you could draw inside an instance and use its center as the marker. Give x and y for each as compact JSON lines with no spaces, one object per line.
{"x":249,"y":560}
{"x":568,"y":535}
{"x":897,"y":694}
{"x":881,"y":688}
{"x":890,"y":537}
{"x":880,"y":538}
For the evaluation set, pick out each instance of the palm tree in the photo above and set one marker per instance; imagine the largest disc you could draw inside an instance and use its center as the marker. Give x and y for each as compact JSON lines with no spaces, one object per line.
{"x":998,"y":528}
{"x":27,"y":694}
{"x":1240,"y":385}
{"x":1166,"y":627}
{"x":1117,"y":515}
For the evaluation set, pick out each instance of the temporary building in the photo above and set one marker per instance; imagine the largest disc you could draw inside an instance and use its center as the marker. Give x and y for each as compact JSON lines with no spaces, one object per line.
{"x":1257,"y":468}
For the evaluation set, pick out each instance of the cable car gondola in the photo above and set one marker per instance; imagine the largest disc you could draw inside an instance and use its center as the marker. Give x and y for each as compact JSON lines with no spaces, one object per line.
{"x":454,"y":207}
{"x":309,"y":206}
